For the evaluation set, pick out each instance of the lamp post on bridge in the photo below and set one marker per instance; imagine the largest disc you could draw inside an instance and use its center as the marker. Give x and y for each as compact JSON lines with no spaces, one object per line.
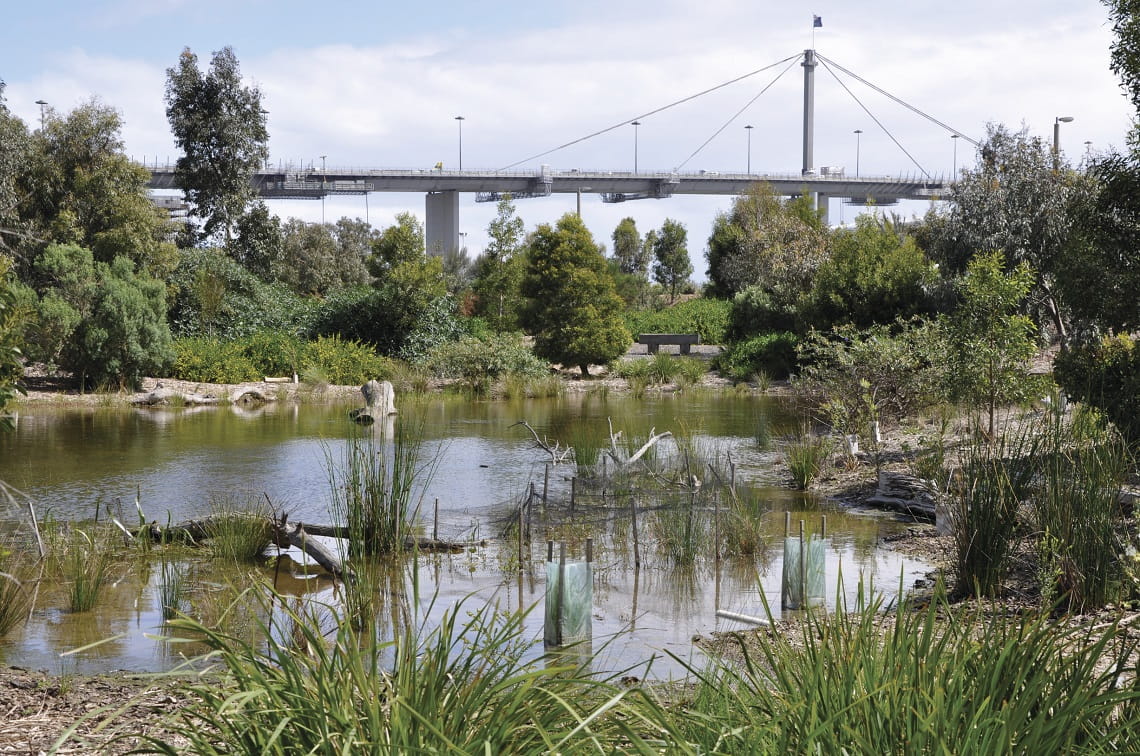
{"x":858,"y":139}
{"x":42,"y":104}
{"x":749,"y":129}
{"x":1057,"y":138}
{"x":461,"y":119}
{"x":323,"y":182}
{"x":954,"y":175}
{"x":635,"y":124}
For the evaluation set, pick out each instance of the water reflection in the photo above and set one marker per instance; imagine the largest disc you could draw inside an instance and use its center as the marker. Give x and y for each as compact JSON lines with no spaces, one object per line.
{"x":177,"y":460}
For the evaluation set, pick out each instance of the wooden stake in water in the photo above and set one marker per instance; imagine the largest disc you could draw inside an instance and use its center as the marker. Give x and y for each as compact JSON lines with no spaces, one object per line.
{"x":787,"y":524}
{"x":521,"y":537}
{"x":561,"y":586}
{"x":573,"y":492}
{"x":545,"y":485}
{"x":716,"y":527}
{"x":550,"y":551}
{"x":435,"y":525}
{"x":803,"y":569}
{"x":633,"y":524}
{"x":589,"y":551}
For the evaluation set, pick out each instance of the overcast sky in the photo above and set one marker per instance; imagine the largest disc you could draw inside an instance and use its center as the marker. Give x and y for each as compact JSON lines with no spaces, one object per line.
{"x":378,"y":85}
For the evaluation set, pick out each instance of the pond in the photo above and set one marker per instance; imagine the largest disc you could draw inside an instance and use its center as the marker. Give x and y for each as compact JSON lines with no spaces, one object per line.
{"x":178,"y":463}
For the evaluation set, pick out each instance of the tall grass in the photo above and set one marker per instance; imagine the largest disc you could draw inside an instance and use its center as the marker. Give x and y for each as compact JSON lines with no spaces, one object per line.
{"x":374,"y":487}
{"x":941,"y":680}
{"x":466,"y":686}
{"x":1082,"y":466}
{"x":806,"y":454}
{"x":239,"y":531}
{"x":995,"y":480}
{"x":86,"y":565}
{"x":173,"y":588}
{"x":14,"y":596}
{"x":680,"y":532}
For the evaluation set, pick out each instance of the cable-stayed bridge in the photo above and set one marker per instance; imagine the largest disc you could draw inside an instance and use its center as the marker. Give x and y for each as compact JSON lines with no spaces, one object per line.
{"x":442,"y":187}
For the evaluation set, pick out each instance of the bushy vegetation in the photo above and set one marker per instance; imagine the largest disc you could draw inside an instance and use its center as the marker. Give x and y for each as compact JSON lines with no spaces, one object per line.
{"x":703,"y":316}
{"x":273,"y":353}
{"x":772,"y":354}
{"x":480,"y":361}
{"x":1106,"y":375}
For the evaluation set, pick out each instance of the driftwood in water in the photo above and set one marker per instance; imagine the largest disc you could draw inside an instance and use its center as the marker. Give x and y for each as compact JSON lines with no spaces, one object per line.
{"x":624,"y":460}
{"x":287,"y":532}
{"x":379,"y":400}
{"x":558,"y":453}
{"x":163,"y":396}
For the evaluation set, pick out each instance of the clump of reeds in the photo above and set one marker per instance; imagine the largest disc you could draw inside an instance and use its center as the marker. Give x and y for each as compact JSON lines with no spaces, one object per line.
{"x":690,"y":371}
{"x":1082,"y":467}
{"x":806,"y":454}
{"x":86,"y":565}
{"x":744,"y":531}
{"x":916,"y":683}
{"x":374,"y":487}
{"x":239,"y":531}
{"x":467,"y":686}
{"x":14,"y":596}
{"x":172,"y":588}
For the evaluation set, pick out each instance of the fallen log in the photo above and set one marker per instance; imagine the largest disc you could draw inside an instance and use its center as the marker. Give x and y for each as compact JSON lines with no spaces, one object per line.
{"x":295,"y":535}
{"x":164,"y":396}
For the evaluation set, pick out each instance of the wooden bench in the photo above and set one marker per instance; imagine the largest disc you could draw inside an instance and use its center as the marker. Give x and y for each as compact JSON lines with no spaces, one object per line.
{"x":655,"y":340}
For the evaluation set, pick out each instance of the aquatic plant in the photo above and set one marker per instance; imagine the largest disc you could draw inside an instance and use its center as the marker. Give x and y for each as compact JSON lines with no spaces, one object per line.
{"x":86,"y":565}
{"x":239,"y":531}
{"x":806,"y":453}
{"x":14,"y":596}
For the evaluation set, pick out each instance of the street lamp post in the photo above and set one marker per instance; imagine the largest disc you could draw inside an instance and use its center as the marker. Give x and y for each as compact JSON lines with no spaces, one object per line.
{"x":42,"y":104}
{"x":635,"y":125}
{"x":954,"y":176}
{"x":749,"y":129}
{"x":858,"y":138}
{"x":461,"y":119}
{"x":1057,"y":136}
{"x":323,"y":180}
{"x":1088,"y":146}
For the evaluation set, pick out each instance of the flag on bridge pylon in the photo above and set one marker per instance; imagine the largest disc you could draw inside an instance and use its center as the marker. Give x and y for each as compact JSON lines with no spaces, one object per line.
{"x":817,"y":22}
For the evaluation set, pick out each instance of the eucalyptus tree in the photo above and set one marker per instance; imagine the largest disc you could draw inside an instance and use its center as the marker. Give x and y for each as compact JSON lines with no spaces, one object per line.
{"x":671,"y":266}
{"x":220,"y":127}
{"x":631,"y":254}
{"x":499,"y":270}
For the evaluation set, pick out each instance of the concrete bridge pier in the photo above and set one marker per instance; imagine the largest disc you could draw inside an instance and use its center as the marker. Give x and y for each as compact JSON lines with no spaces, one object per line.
{"x":441,"y":226}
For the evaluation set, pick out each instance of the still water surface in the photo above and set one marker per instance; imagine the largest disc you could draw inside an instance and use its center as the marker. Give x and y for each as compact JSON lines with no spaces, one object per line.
{"x":179,"y":461}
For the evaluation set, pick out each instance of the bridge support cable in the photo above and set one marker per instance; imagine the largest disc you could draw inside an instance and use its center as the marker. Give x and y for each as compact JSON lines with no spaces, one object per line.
{"x":736,"y":115}
{"x":892,"y":97}
{"x":871,"y":115}
{"x":661,"y":109}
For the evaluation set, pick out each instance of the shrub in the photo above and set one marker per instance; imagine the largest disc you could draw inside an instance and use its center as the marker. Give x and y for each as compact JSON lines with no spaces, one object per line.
{"x":755,"y":311}
{"x":345,"y":362}
{"x":1105,"y":375}
{"x":707,"y":317}
{"x":481,"y":361}
{"x":210,"y":360}
{"x":773,"y":354}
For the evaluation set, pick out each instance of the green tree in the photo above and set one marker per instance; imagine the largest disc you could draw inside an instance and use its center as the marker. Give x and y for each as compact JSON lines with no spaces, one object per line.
{"x":258,"y":243}
{"x":499,"y":270}
{"x":109,"y":321}
{"x":316,"y":258}
{"x":11,"y":367}
{"x":672,"y":266}
{"x":15,"y":146}
{"x":765,"y":241}
{"x":79,"y":188}
{"x":572,"y":309}
{"x":1018,"y":201}
{"x":220,"y":127}
{"x":874,"y":274}
{"x":632,"y":256}
{"x":399,"y":243}
{"x":989,"y":344}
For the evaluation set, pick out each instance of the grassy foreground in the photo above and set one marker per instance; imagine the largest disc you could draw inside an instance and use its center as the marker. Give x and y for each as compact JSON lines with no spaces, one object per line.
{"x":939,"y":679}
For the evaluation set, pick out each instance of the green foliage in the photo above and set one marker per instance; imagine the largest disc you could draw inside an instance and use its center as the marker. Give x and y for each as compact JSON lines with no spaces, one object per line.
{"x":11,"y":367}
{"x":316,"y":258}
{"x":851,"y":377}
{"x":1016,"y":200}
{"x":239,"y":531}
{"x":1105,"y":375}
{"x":112,"y":322}
{"x":806,"y":454}
{"x":773,"y":354}
{"x":874,"y":274}
{"x":79,"y":188}
{"x":941,"y":680}
{"x":15,"y":152}
{"x":756,"y":311}
{"x":273,"y":353}
{"x":765,"y":241}
{"x":499,"y":270}
{"x":213,"y":295}
{"x":257,"y":247}
{"x":988,"y":344}
{"x":630,"y":253}
{"x":572,"y":308}
{"x":86,"y":564}
{"x":480,"y":361}
{"x":671,"y":266}
{"x":706,"y":317}
{"x":220,"y":127}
